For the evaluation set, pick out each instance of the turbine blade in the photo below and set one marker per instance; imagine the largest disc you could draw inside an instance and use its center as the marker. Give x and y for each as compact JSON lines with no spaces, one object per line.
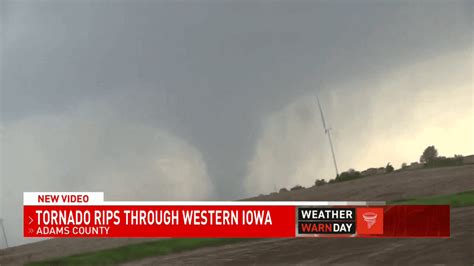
{"x":322,"y":115}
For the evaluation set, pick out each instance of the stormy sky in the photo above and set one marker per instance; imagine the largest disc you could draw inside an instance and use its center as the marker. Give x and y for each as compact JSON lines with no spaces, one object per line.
{"x":188,"y":100}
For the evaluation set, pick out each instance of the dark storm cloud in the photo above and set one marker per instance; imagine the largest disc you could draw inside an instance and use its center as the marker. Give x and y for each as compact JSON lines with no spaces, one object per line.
{"x":210,"y":70}
{"x":210,"y":73}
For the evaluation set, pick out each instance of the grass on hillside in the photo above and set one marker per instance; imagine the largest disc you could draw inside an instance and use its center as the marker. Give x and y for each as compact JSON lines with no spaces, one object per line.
{"x":168,"y":246}
{"x":462,"y":199}
{"x":138,"y":251}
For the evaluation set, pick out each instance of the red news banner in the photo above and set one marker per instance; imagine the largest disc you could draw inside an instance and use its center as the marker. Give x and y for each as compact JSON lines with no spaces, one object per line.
{"x":74,"y":214}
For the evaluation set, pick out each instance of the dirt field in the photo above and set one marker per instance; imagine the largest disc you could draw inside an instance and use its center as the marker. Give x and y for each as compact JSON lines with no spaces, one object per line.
{"x":314,"y":251}
{"x":61,"y":247}
{"x":394,"y":186}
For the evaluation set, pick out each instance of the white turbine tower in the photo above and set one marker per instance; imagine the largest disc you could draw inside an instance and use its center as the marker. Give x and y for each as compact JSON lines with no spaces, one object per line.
{"x":3,"y":231}
{"x":327,"y":131}
{"x":2,"y":226}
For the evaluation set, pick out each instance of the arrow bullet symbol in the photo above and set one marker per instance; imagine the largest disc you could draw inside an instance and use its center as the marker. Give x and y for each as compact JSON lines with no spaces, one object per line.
{"x":31,"y":231}
{"x":31,"y":220}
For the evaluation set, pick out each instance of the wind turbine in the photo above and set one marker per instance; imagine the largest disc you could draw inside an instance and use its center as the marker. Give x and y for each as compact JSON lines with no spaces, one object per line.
{"x":3,"y":231}
{"x":2,"y":226}
{"x":327,"y":131}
